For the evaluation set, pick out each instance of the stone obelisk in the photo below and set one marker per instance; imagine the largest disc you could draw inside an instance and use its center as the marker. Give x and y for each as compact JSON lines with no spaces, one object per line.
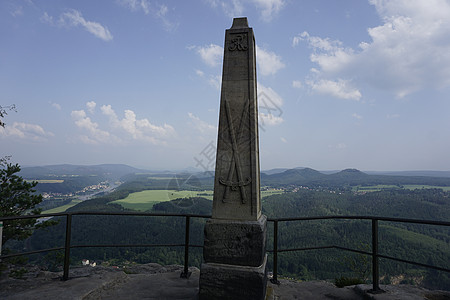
{"x":234,"y":250}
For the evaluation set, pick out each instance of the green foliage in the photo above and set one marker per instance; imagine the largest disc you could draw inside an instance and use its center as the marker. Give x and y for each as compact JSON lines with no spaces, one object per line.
{"x":55,"y":260}
{"x":17,"y":198}
{"x":4,"y":112}
{"x":347,"y":281}
{"x":18,"y":274}
{"x":360,"y":264}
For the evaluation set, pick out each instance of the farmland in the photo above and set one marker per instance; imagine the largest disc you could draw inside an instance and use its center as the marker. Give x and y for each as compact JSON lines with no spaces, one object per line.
{"x":62,"y":208}
{"x":145,"y":200}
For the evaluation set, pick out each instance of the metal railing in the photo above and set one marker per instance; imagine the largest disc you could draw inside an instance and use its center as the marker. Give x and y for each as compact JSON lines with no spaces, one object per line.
{"x":185,"y":274}
{"x":375,"y":255}
{"x":68,"y":245}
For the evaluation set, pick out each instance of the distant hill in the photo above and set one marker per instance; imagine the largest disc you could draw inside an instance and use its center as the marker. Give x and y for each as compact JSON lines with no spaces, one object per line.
{"x":412,"y":173}
{"x":348,"y":177}
{"x":113,"y":171}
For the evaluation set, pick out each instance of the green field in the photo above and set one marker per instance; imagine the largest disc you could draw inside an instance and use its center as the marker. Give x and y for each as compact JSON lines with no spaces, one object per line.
{"x":145,"y":200}
{"x":61,"y":208}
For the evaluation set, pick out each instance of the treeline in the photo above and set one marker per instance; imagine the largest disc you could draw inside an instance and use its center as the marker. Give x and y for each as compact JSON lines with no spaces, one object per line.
{"x":69,"y":185}
{"x":345,"y":179}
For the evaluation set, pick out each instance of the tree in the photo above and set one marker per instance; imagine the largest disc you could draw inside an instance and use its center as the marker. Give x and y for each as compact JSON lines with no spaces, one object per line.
{"x":17,"y":197}
{"x":4,"y":112}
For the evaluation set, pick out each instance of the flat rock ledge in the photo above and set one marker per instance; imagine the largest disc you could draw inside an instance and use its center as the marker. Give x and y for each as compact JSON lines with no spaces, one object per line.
{"x":153,"y":281}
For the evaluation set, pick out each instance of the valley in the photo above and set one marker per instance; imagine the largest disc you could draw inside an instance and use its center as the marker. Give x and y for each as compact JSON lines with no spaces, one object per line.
{"x":291,"y":193}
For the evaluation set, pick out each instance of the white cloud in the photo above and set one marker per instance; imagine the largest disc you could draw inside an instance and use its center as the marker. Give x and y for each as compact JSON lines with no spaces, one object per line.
{"x":269,"y":119}
{"x":269,"y":107}
{"x":201,"y":125}
{"x":95,"y":135}
{"x":230,"y":8}
{"x":393,"y":116}
{"x":25,"y":131}
{"x":215,"y":81}
{"x":268,"y":62}
{"x":267,"y":8}
{"x":339,"y":146}
{"x":158,"y":11}
{"x":138,"y":129}
{"x":408,"y":52}
{"x":297,"y":84}
{"x":212,"y":80}
{"x":340,"y":89}
{"x":91,"y":106}
{"x":212,"y":55}
{"x":356,"y":116}
{"x":74,"y":18}
{"x":45,"y":18}
{"x":17,"y":11}
{"x":283,"y":139}
{"x":55,"y":105}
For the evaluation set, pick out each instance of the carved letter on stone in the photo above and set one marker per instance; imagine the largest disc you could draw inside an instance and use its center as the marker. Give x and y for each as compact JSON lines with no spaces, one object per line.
{"x":237,"y":43}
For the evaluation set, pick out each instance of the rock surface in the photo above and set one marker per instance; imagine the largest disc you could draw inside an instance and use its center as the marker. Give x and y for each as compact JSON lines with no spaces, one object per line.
{"x":153,"y":281}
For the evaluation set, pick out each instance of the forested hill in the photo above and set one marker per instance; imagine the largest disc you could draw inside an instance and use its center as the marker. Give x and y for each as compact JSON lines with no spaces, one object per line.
{"x":110,"y":171}
{"x":345,"y":178}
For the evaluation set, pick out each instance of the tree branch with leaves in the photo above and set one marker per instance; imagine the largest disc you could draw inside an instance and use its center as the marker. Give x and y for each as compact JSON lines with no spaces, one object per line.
{"x":17,"y":197}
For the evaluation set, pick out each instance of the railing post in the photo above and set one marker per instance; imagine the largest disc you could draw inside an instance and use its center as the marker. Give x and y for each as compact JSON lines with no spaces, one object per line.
{"x":274,"y":279}
{"x":186,"y":273}
{"x":375,"y":266}
{"x":67,"y":246}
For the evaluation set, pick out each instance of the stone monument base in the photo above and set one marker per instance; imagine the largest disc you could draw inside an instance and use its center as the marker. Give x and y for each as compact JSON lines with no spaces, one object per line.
{"x":223,"y":281}
{"x":235,"y":242}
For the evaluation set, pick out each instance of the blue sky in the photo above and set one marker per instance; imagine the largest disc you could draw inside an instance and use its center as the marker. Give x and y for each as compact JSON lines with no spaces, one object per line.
{"x":342,"y":84}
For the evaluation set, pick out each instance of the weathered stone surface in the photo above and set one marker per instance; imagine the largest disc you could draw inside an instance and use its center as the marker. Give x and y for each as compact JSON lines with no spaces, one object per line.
{"x":220,"y":281}
{"x":235,"y":242}
{"x":237,"y":184}
{"x":235,"y":238}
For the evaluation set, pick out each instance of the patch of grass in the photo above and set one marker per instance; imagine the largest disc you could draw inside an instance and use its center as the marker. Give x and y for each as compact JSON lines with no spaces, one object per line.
{"x":18,"y":274}
{"x":50,"y":180}
{"x":62,"y":208}
{"x":270,"y":192}
{"x":145,"y":200}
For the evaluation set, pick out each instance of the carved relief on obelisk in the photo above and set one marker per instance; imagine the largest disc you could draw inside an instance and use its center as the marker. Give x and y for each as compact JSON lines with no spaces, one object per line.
{"x":236,"y":186}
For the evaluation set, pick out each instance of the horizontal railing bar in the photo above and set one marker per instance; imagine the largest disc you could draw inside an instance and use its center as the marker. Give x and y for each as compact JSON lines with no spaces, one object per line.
{"x":142,"y":214}
{"x":302,"y":249}
{"x":31,"y":252}
{"x":414,"y":263}
{"x":124,"y":246}
{"x":32,"y":216}
{"x":353,"y":250}
{"x":137,"y":214}
{"x":403,"y":220}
